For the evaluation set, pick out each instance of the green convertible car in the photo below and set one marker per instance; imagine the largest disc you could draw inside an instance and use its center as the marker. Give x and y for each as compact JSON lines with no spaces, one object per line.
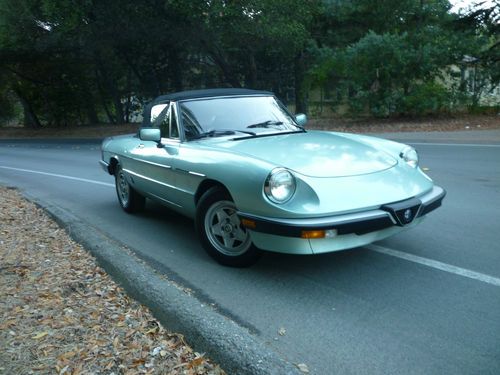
{"x":253,"y":178}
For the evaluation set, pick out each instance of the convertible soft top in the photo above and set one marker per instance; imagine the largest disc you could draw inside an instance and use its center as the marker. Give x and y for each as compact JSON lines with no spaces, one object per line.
{"x":195,"y":94}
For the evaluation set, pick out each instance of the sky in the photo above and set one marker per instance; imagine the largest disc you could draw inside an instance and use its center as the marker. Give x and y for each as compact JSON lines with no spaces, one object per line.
{"x":458,"y":4}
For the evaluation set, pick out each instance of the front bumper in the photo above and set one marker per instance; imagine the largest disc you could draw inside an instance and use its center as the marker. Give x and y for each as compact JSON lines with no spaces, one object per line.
{"x":389,"y":218}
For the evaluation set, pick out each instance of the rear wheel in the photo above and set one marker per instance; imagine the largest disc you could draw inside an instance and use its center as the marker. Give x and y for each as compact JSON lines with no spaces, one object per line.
{"x":222,"y":235}
{"x":130,"y":200}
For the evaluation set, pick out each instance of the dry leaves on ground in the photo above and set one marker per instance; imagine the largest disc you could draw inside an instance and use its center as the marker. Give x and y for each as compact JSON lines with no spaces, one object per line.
{"x":423,"y":124}
{"x":451,"y":123}
{"x":61,"y":313}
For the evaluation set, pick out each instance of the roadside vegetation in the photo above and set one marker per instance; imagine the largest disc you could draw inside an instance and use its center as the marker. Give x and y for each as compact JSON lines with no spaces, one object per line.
{"x":422,"y":124}
{"x":65,"y":63}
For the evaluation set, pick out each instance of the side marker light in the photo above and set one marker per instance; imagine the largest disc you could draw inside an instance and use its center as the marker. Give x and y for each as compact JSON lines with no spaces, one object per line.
{"x":312,"y":234}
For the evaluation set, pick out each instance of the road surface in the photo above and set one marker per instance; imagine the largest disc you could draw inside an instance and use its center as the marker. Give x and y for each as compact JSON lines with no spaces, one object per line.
{"x":426,"y":301}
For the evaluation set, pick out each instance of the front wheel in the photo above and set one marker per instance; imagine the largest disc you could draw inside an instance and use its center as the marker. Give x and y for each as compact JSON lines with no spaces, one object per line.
{"x":130,"y":200}
{"x":221,"y":233}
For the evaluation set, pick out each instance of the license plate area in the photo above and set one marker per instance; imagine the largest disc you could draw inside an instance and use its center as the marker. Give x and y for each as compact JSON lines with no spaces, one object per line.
{"x":404,"y":212}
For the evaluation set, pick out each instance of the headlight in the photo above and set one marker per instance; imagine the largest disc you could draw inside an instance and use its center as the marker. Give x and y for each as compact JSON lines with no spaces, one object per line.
{"x":410,"y":156}
{"x":280,"y":185}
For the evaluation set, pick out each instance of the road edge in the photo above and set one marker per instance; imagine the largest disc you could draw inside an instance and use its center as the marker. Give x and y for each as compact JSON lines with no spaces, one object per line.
{"x":233,"y":347}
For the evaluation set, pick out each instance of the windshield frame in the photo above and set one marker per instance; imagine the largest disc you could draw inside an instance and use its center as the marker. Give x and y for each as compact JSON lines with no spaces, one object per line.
{"x":290,"y":127}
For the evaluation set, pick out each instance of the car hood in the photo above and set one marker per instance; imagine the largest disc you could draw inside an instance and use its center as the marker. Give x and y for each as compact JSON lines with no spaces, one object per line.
{"x":315,"y":154}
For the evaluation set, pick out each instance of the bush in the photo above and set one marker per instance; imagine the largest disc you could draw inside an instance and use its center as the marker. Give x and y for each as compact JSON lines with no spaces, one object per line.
{"x":427,"y":98}
{"x":8,"y":110}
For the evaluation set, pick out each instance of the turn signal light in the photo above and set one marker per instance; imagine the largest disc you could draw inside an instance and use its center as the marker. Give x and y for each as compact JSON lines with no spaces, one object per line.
{"x":312,"y":234}
{"x":250,"y":224}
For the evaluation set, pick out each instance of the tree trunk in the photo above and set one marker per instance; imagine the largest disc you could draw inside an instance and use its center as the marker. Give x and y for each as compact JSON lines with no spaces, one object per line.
{"x":92,"y":116}
{"x":104,"y":99}
{"x":128,"y":103}
{"x":119,"y":114}
{"x":251,"y":78}
{"x":89,"y":106}
{"x":30,"y":118}
{"x":175,"y":68}
{"x":227,"y":72}
{"x":112,"y":90}
{"x":300,"y":93}
{"x":221,"y":60}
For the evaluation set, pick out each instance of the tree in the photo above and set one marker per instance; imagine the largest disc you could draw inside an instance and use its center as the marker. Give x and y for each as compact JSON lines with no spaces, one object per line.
{"x":382,"y":55}
{"x":72,"y":62}
{"x":481,"y":24}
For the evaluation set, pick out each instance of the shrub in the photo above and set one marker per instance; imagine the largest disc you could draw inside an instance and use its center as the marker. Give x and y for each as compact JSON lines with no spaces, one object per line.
{"x":427,"y":98}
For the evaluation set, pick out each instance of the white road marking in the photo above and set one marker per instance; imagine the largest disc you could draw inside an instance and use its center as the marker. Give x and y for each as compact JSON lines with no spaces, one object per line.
{"x":452,"y":144}
{"x":437,"y":265}
{"x":59,"y":175}
{"x":380,"y":249}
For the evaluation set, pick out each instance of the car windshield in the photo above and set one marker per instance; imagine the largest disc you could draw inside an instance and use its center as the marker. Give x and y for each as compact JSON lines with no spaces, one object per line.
{"x":249,"y":115}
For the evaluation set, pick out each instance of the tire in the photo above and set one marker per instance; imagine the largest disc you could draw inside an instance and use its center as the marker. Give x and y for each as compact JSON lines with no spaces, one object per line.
{"x":221,"y":232}
{"x":130,"y":200}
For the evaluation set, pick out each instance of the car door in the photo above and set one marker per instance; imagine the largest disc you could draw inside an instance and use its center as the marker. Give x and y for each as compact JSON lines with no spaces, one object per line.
{"x":155,"y":169}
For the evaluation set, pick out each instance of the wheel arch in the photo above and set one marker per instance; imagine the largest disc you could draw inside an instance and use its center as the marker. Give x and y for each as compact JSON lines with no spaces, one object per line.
{"x":207,"y":185}
{"x":113,"y":162}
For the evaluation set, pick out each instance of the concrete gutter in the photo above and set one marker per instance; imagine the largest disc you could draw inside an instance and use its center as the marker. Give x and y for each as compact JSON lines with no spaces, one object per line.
{"x":233,"y":347}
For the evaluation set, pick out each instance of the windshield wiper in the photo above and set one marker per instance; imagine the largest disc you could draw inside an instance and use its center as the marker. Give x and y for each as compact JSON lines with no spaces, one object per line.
{"x":265,"y":124}
{"x":219,"y":133}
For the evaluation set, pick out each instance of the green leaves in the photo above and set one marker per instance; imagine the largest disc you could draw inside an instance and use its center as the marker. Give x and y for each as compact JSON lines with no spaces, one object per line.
{"x":394,"y":57}
{"x":112,"y":53}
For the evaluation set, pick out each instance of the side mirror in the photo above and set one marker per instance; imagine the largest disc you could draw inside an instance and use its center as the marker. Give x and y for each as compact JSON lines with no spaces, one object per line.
{"x":150,"y":134}
{"x":301,"y":119}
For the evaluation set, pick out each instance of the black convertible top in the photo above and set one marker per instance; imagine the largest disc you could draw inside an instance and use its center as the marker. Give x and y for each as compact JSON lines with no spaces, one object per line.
{"x":195,"y":94}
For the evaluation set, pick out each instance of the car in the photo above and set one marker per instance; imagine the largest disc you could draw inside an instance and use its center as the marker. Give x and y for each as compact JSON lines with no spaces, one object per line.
{"x":255,"y":179}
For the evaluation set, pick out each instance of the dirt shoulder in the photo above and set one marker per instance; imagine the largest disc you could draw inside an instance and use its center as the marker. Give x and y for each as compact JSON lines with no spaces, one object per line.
{"x":457,"y":123}
{"x":61,"y":313}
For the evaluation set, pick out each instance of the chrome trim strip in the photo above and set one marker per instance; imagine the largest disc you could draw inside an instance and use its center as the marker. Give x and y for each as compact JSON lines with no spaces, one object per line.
{"x":189,"y":172}
{"x":104,"y":165}
{"x":151,"y":163}
{"x":436,"y":193}
{"x":358,"y":223}
{"x":167,"y":141}
{"x":196,"y":174}
{"x":323,"y":221}
{"x":156,"y":181}
{"x":431,"y":200}
{"x":165,"y":200}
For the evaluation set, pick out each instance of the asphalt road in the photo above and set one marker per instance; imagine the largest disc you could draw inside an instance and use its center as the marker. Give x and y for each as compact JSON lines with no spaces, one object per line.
{"x":426,"y":301}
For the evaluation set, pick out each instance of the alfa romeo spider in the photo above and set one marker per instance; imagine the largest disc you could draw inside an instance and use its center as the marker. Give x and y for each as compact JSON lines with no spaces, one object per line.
{"x":254,"y":178}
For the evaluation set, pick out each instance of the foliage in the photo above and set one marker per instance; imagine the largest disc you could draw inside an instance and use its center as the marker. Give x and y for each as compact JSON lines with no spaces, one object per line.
{"x":72,"y":62}
{"x":427,"y":98}
{"x":383,"y":58}
{"x":482,"y":24}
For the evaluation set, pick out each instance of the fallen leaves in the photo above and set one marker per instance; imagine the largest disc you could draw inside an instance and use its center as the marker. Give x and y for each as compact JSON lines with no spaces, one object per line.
{"x":61,"y":313}
{"x":371,"y":125}
{"x":40,"y":335}
{"x":303,"y":368}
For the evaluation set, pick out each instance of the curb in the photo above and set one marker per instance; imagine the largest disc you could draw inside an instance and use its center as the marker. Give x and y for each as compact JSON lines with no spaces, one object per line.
{"x":225,"y":342}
